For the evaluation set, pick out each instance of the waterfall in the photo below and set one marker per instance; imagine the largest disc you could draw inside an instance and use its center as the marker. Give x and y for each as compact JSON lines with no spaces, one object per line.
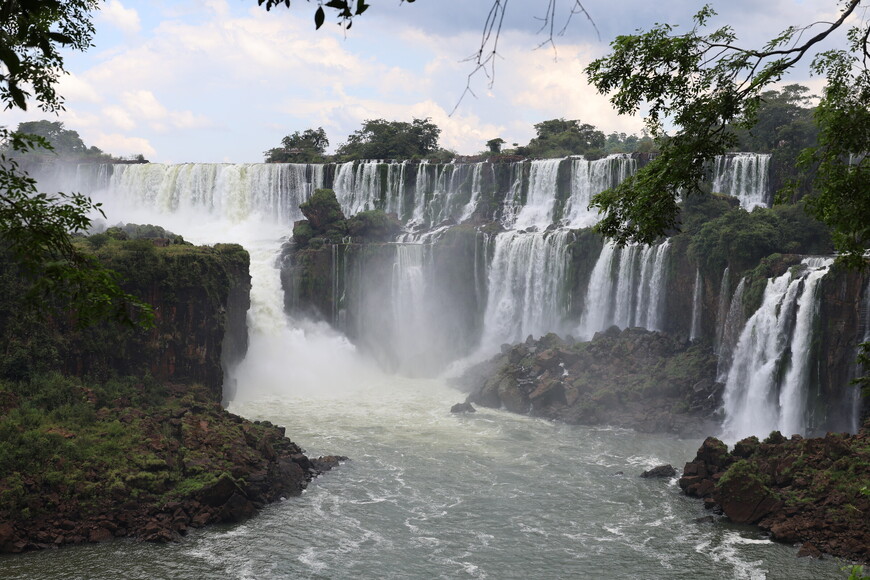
{"x":590,"y":178}
{"x":357,"y":186}
{"x":476,"y":187}
{"x":722,"y":309}
{"x":697,"y":304}
{"x":410,"y":321}
{"x":537,"y":212}
{"x":626,"y":289}
{"x":525,"y":286}
{"x":731,"y":325}
{"x":769,"y":379}
{"x":744,"y":176}
{"x":227,"y":191}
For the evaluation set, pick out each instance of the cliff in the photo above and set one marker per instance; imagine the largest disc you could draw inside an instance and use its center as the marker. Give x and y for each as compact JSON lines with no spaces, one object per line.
{"x":118,"y":431}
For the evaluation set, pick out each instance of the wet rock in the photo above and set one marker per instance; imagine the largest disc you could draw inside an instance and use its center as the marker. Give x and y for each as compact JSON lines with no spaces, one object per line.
{"x":809,"y":550}
{"x":327,"y":462}
{"x":666,"y":470}
{"x":463,"y":408}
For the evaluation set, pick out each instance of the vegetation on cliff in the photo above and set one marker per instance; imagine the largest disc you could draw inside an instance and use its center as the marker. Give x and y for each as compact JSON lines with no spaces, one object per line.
{"x":325,"y":223}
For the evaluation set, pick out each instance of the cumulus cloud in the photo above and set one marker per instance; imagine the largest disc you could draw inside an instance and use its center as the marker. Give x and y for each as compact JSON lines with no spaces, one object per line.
{"x":195,"y":66}
{"x":125,"y":19}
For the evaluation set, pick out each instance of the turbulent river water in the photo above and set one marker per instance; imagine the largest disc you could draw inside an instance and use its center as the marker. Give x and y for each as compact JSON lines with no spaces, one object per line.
{"x":428,"y":494}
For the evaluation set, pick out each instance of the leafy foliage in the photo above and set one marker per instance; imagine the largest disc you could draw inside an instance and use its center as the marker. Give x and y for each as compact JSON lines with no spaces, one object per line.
{"x":306,"y":147}
{"x":841,"y":163}
{"x":708,"y":87}
{"x":740,"y":239}
{"x":345,"y":9}
{"x":560,"y":138}
{"x":35,"y":231}
{"x":58,"y":142}
{"x":31,"y":34}
{"x":35,"y":227}
{"x":381,"y":139}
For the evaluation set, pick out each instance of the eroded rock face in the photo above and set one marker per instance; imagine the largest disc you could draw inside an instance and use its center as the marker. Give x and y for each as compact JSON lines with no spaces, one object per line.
{"x":800,"y":490}
{"x":630,"y":378}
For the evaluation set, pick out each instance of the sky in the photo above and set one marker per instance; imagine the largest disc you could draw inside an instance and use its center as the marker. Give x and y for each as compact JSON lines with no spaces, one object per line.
{"x":225,"y":80}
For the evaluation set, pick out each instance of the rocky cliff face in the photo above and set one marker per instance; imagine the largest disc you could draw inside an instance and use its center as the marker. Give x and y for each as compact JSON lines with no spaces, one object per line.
{"x":200,"y":297}
{"x":631,"y":378}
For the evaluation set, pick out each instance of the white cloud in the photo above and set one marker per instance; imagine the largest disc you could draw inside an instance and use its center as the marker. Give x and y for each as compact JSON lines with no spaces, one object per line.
{"x":125,"y":19}
{"x":123,"y":145}
{"x":75,"y":88}
{"x":120,"y":118}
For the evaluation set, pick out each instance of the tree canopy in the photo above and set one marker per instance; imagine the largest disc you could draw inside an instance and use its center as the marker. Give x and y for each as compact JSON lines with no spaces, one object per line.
{"x":306,"y":147}
{"x":381,"y":139}
{"x":708,"y":88}
{"x":560,"y":138}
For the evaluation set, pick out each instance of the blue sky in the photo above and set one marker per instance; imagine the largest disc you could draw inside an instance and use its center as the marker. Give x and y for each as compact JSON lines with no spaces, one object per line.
{"x":223,"y":80}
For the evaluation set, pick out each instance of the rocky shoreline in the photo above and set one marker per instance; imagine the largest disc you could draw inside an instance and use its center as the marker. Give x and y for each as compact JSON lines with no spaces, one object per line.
{"x":193,"y":464}
{"x":814,"y":491}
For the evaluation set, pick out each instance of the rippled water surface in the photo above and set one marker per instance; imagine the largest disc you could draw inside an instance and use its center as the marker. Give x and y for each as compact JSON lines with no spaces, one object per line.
{"x":428,"y":494}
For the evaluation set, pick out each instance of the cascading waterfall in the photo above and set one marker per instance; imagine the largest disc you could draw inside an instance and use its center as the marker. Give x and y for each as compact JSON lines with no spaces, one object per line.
{"x":410,"y":322}
{"x":230,"y":191}
{"x":722,"y":308}
{"x":697,"y":305}
{"x":476,"y":187}
{"x":731,"y":325}
{"x":769,"y":378}
{"x":744,"y":176}
{"x":525,"y":294}
{"x":590,"y":178}
{"x":538,"y":209}
{"x":625,"y":289}
{"x":357,"y":186}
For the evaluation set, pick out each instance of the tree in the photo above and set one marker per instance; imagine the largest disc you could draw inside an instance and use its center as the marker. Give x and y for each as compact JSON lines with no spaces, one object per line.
{"x":381,"y":139}
{"x":559,"y":138}
{"x":494,"y":145}
{"x":306,"y":147}
{"x":36,"y":228}
{"x":705,"y":86}
{"x":31,"y":34}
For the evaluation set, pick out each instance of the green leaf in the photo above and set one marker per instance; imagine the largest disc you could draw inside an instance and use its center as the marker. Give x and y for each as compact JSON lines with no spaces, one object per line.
{"x":337,"y":4}
{"x":361,"y":7}
{"x":319,"y":17}
{"x":19,"y":97}
{"x":10,"y":59}
{"x":61,"y":38}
